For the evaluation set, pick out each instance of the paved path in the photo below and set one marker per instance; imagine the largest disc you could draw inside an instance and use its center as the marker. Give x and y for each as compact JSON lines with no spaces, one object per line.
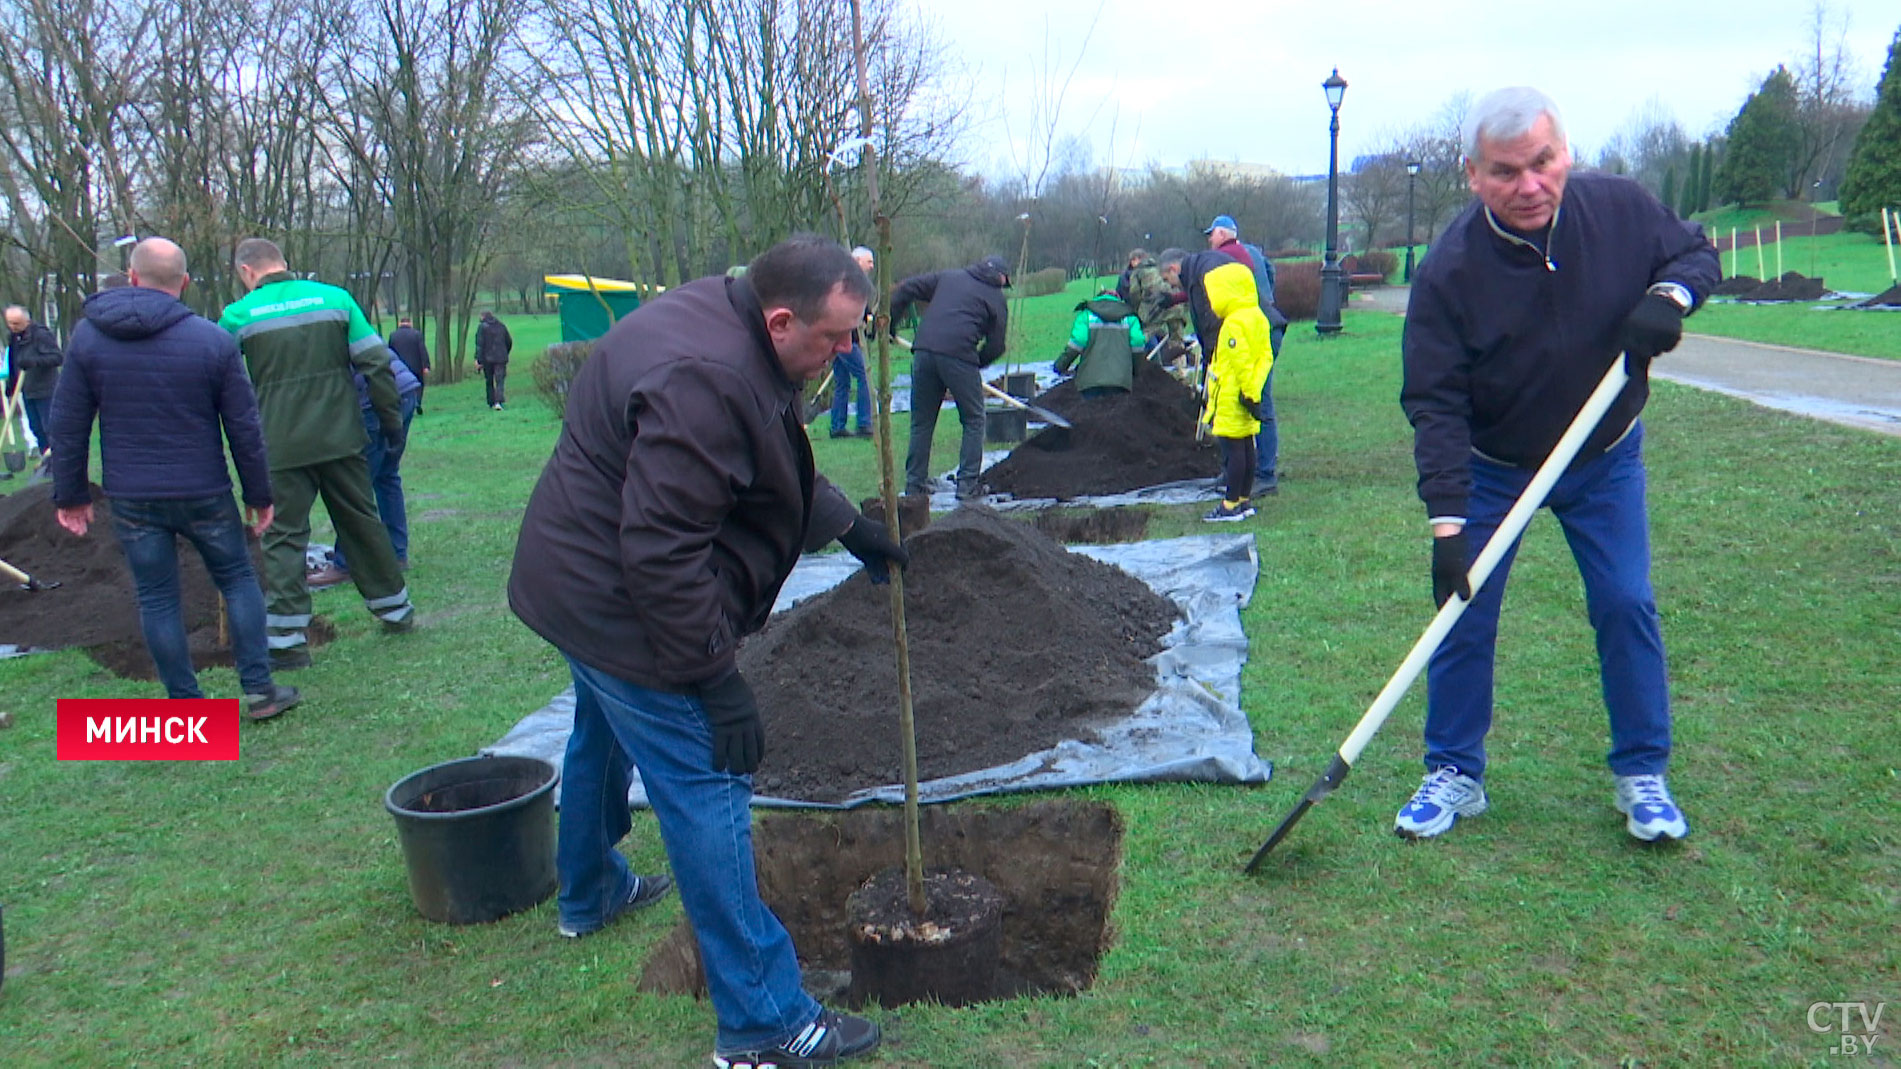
{"x":1856,"y":391}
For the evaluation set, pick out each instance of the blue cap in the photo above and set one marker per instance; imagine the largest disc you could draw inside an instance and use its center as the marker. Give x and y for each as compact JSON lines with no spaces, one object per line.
{"x":1222,"y":222}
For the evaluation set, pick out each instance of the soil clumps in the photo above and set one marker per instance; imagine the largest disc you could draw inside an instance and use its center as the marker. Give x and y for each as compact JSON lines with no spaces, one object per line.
{"x":1015,"y":643}
{"x":1119,"y":443}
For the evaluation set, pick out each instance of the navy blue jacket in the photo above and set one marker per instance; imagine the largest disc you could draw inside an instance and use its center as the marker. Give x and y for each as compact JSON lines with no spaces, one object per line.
{"x":967,"y":316}
{"x":408,"y":343}
{"x":1504,"y":340}
{"x":406,"y":381}
{"x":168,"y":387}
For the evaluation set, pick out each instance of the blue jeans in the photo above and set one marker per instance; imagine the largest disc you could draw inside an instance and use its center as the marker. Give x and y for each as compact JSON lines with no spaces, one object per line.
{"x":846,"y":368}
{"x":36,"y":410}
{"x":1600,"y":504}
{"x":1267,"y":444}
{"x":705,"y":818}
{"x":386,"y":479}
{"x":148,"y":532}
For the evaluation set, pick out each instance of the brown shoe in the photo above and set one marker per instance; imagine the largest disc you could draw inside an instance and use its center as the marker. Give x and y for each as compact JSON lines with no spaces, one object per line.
{"x":326,"y":577}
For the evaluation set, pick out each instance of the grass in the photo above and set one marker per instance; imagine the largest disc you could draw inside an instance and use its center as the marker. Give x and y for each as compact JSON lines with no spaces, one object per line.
{"x":1846,"y":261}
{"x":256,"y":913}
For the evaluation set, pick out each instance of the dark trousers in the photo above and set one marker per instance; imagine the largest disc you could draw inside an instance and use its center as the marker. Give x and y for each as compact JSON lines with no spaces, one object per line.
{"x":1600,"y":503}
{"x":847,"y":368}
{"x":493,"y":376}
{"x":931,"y":375}
{"x":149,"y":531}
{"x":36,"y":409}
{"x":344,"y":485}
{"x":386,"y":480}
{"x":1267,"y":444}
{"x":1237,"y":467}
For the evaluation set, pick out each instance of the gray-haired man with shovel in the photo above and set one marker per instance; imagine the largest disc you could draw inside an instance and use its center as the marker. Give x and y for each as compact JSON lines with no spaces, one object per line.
{"x":169,"y":389}
{"x":1523,"y":304}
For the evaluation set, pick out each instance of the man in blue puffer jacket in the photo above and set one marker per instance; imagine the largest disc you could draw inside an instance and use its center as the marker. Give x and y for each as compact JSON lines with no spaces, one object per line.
{"x":169,"y":389}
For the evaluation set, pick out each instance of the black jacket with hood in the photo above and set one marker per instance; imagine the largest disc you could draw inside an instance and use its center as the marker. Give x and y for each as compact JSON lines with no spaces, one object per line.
{"x":33,"y":356}
{"x":967,"y":318}
{"x":168,"y":388}
{"x":679,"y":495}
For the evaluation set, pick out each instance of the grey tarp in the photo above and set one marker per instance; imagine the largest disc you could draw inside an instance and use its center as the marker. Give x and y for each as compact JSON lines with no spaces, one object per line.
{"x":1190,"y":729}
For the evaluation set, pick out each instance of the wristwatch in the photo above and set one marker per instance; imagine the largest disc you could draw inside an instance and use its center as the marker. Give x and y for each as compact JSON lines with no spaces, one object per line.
{"x":1677,"y":293}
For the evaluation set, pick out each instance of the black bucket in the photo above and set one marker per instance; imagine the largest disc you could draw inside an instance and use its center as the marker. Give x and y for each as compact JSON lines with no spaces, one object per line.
{"x":1020,"y":385}
{"x":1005,"y":425}
{"x":478,"y":836}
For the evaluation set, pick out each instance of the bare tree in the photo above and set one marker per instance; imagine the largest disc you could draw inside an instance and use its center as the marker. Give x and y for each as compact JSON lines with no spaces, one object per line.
{"x":1830,"y":105}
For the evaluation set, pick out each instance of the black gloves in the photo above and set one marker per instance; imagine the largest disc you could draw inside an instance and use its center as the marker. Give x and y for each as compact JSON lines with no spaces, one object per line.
{"x":871,"y":543}
{"x":394,"y":438}
{"x":1654,"y":326}
{"x":738,"y":739}
{"x":1251,"y":405}
{"x":1448,"y":568}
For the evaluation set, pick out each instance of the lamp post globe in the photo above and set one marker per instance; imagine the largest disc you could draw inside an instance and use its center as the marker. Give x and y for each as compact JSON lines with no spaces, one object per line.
{"x":1333,"y":289}
{"x":1412,"y":177}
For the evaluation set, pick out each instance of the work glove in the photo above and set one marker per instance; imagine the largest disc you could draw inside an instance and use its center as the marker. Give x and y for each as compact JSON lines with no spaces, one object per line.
{"x":1448,"y":568}
{"x":738,"y":739}
{"x":394,"y":438}
{"x":1251,"y":405}
{"x":1653,"y":327}
{"x":871,"y":543}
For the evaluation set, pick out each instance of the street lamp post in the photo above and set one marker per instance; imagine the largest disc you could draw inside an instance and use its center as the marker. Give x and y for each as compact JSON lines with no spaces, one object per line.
{"x":1332,"y":280}
{"x":1412,"y":175}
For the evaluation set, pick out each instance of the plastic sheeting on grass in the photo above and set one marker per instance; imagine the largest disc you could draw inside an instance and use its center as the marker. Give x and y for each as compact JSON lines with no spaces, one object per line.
{"x":1191,"y":729}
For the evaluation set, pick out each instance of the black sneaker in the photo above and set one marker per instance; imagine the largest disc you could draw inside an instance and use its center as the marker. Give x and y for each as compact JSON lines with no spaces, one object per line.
{"x":265,"y":706}
{"x":290,"y":660}
{"x":647,"y":890}
{"x":830,"y":1038}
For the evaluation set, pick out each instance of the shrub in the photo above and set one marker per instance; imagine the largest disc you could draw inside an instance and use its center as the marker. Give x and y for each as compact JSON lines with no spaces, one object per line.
{"x":1379,"y":262}
{"x":1042,"y":283}
{"x":1297,"y":288}
{"x":556,"y":369}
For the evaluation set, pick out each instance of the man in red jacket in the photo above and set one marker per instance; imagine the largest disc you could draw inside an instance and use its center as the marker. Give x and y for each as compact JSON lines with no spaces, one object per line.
{"x":679,"y":496}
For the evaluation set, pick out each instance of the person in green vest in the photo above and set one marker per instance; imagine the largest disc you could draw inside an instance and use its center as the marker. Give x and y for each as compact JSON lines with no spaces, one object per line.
{"x":300,"y":341}
{"x":1103,"y":343}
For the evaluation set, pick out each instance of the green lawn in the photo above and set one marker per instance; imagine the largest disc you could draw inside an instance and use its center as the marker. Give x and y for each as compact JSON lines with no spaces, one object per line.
{"x":1846,"y":261}
{"x":256,"y":913}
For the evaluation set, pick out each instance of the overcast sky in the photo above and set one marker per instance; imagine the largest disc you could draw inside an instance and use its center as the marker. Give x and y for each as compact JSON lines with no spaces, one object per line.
{"x":1240,"y":80}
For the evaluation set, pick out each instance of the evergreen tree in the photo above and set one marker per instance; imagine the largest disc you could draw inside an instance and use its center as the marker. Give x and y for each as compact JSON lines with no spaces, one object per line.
{"x":1706,"y":189}
{"x":1874,"y":170}
{"x":1762,"y":139}
{"x":1668,"y":195}
{"x":1686,"y":199}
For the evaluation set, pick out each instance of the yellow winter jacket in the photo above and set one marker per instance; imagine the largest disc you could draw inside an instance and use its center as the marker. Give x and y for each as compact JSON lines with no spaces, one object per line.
{"x":1242,"y":354}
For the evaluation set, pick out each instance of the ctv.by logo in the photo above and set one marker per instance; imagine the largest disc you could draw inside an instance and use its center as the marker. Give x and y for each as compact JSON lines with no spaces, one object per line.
{"x":1842,"y":1018}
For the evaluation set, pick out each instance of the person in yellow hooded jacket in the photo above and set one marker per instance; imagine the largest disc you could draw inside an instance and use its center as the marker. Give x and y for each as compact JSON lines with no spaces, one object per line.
{"x":1237,"y":372}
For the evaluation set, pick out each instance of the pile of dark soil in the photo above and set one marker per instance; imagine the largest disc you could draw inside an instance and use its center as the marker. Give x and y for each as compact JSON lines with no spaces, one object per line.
{"x":1093,"y":526}
{"x":1123,"y":442}
{"x":96,"y":605}
{"x":1888,"y":298}
{"x":1016,"y":644}
{"x":1792,"y":286}
{"x":1737,"y":286}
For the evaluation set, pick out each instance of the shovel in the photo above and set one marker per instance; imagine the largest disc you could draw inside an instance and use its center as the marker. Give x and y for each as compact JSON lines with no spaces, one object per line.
{"x":1495,"y":549}
{"x":14,"y":458}
{"x":1043,"y":414}
{"x":26,"y":581}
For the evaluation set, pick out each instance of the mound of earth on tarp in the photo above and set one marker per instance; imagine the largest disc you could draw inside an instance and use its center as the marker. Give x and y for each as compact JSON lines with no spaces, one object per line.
{"x":1792,"y":286}
{"x":1888,"y":298}
{"x":96,"y":605}
{"x":1016,"y":644}
{"x":1121,"y":442}
{"x":1737,"y":286}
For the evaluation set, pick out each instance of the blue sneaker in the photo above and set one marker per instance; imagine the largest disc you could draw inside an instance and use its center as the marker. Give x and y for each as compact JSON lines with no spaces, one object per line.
{"x":1653,"y":813}
{"x":1446,"y":795}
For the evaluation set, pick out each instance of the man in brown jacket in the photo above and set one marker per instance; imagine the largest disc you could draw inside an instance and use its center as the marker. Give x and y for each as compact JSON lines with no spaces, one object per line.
{"x":680,"y":494}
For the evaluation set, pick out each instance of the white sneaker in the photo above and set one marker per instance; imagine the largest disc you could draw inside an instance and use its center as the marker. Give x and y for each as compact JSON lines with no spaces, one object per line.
{"x":1653,"y":813}
{"x":1446,"y":795}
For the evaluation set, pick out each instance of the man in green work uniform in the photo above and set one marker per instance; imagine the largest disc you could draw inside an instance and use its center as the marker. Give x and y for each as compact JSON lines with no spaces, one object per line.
{"x":301,"y":340}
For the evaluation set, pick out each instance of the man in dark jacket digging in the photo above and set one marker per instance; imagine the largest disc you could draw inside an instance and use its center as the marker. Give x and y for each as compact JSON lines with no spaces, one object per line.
{"x":1516,"y":315}
{"x":169,"y":389}
{"x":962,"y":332}
{"x":33,"y":359}
{"x":679,"y":496}
{"x":492,"y":346}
